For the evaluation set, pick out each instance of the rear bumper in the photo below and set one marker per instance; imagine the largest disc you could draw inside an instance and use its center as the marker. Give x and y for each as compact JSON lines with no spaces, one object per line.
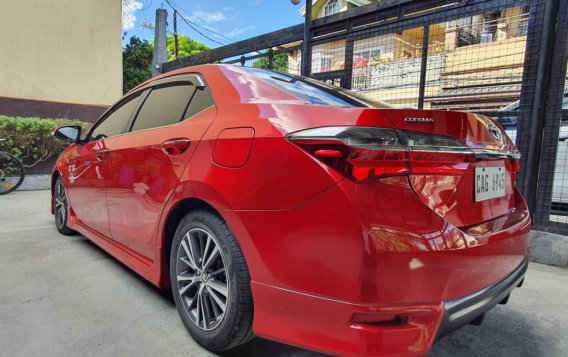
{"x":460,"y":312}
{"x":346,"y":329}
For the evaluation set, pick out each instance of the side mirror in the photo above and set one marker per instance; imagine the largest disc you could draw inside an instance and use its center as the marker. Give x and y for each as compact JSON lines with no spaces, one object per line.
{"x":70,"y":133}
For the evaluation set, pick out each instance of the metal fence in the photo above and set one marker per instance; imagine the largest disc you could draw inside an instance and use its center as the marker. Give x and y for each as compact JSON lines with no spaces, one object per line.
{"x":503,"y":58}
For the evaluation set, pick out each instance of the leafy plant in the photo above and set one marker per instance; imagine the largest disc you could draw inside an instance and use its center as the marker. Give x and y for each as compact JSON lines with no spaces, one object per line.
{"x":186,"y":47}
{"x":136,"y":63}
{"x":31,"y":140}
{"x":280,"y":62}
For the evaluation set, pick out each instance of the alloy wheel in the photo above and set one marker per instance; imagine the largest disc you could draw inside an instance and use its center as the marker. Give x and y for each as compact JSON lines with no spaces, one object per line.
{"x":201,"y":279}
{"x":60,"y":204}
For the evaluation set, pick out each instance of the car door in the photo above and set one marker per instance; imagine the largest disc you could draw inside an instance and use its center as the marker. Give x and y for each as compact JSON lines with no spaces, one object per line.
{"x":88,"y":170}
{"x":148,"y":161}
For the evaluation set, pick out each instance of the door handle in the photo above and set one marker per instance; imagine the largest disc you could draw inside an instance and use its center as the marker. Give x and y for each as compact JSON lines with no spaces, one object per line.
{"x":175,"y":146}
{"x":102,"y":154}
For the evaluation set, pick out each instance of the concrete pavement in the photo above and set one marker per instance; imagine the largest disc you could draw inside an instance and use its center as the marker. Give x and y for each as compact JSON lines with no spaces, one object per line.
{"x":63,"y":296}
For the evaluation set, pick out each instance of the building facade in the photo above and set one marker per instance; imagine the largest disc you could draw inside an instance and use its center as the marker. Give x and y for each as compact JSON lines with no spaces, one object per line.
{"x":469,"y":58}
{"x":60,"y":58}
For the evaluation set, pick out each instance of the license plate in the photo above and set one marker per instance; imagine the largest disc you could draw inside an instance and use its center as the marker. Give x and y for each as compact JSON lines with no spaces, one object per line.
{"x":489,"y":183}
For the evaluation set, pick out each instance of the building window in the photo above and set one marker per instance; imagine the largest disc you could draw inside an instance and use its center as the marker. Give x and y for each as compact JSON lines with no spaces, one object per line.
{"x":368,"y":54}
{"x":523,"y":23}
{"x":332,"y":7}
{"x":489,"y":27}
{"x":325,"y":64}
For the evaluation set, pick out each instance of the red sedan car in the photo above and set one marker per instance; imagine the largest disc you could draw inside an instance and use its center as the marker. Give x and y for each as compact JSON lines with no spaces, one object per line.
{"x":278,"y":206}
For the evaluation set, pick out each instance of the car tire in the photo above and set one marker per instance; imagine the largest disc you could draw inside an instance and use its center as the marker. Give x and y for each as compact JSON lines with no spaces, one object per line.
{"x":209,"y":274}
{"x":61,"y":208}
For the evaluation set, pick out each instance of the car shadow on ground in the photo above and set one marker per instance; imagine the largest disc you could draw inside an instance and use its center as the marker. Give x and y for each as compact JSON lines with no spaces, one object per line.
{"x":255,"y":348}
{"x":165,"y":294}
{"x":260,"y":347}
{"x":503,"y":333}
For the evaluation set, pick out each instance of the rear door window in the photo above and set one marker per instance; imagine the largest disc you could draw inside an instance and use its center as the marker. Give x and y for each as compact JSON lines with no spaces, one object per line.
{"x":165,"y":105}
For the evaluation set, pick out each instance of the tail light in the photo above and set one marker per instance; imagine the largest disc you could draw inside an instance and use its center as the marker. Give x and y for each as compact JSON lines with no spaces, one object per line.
{"x":359,"y":153}
{"x":437,"y":154}
{"x":364,"y":153}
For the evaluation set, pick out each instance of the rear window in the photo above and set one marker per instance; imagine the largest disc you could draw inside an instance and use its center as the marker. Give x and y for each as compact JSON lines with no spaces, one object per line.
{"x":164,"y":106}
{"x":315,"y":92}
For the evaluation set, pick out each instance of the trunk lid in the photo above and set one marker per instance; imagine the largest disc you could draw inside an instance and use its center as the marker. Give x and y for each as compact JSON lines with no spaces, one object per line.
{"x":485,"y":188}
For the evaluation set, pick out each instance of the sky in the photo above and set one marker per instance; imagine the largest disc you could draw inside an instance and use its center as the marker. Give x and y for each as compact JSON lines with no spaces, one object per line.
{"x":219,"y":21}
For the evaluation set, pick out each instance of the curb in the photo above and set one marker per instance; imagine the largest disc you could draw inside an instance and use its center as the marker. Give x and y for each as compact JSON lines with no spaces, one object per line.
{"x":549,"y":248}
{"x":36,"y":182}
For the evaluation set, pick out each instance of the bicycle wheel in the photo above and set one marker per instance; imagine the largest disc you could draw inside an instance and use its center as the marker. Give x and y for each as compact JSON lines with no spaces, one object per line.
{"x":11,"y":173}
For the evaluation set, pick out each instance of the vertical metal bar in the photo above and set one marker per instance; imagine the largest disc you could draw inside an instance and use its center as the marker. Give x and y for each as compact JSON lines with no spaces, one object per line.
{"x":423,"y":66}
{"x":552,"y":126}
{"x":538,"y":111}
{"x":348,"y":68}
{"x":527,"y":84}
{"x":306,"y":53}
{"x":270,"y":59}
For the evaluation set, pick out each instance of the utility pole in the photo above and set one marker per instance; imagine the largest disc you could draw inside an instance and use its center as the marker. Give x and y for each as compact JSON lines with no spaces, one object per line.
{"x":160,"y":51}
{"x":176,"y":34}
{"x":306,"y":55}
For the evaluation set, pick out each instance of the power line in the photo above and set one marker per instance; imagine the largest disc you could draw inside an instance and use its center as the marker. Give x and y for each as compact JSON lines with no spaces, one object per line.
{"x":192,"y":25}
{"x":194,"y":15}
{"x":199,"y":32}
{"x":148,"y":4}
{"x":227,"y":39}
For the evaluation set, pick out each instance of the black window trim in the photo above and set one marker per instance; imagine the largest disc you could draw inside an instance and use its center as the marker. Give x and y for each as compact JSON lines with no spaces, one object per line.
{"x":171,"y":82}
{"x":208,"y":94}
{"x":146,"y":94}
{"x":150,"y":89}
{"x":117,"y":106}
{"x":195,"y":79}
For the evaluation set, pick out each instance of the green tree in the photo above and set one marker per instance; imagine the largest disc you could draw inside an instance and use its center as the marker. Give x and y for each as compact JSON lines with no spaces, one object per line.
{"x":136,"y":63}
{"x":186,"y":47}
{"x":280,"y":62}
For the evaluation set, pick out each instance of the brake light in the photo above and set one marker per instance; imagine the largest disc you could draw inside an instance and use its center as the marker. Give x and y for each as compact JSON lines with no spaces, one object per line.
{"x":364,"y":153}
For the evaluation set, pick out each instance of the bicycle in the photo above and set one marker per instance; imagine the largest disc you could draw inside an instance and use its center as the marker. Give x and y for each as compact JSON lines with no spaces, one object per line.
{"x":11,"y":172}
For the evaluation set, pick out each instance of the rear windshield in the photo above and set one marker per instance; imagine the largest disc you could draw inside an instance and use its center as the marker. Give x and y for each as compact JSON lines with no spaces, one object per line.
{"x":315,"y":92}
